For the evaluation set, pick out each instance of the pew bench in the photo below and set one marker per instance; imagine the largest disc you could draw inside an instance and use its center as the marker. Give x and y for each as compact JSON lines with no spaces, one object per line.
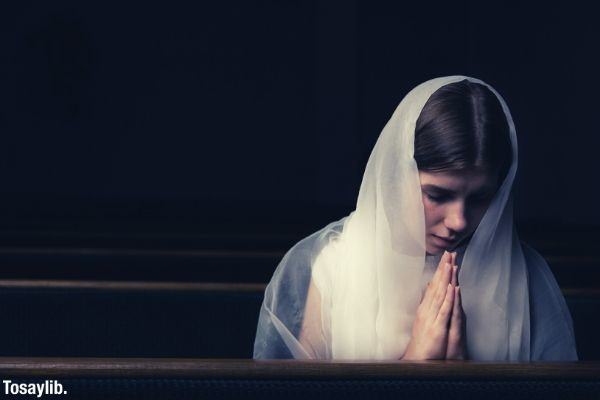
{"x":161,"y":319}
{"x":146,"y":378}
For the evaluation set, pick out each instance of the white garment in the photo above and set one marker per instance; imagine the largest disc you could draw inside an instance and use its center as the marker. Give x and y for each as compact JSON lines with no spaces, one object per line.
{"x":370,"y":269}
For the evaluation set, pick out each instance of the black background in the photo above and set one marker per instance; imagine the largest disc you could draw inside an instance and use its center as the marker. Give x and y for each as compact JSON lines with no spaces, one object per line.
{"x":260,"y":115}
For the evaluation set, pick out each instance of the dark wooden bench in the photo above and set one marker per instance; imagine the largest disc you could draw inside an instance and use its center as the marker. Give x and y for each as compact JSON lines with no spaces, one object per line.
{"x":248,"y":254}
{"x":99,"y":378}
{"x":121,"y":319}
{"x":158,"y":319}
{"x":202,"y":265}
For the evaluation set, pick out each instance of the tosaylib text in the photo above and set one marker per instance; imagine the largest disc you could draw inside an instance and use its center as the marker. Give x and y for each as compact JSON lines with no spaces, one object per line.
{"x":38,"y":389}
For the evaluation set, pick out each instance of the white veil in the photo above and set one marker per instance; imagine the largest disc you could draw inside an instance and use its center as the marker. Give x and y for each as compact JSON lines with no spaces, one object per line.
{"x":368,"y":269}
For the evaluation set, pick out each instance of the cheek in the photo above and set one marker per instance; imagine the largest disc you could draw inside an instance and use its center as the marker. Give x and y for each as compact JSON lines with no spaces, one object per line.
{"x":432,"y":211}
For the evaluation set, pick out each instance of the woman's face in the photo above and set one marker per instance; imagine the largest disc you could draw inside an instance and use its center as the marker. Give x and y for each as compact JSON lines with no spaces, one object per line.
{"x":454,"y":202}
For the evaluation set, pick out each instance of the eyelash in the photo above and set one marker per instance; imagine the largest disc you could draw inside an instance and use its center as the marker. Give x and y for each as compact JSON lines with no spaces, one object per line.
{"x":442,"y":198}
{"x":437,"y":199}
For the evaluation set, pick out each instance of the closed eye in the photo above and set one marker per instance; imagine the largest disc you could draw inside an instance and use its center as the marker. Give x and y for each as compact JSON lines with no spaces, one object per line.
{"x":437,"y":198}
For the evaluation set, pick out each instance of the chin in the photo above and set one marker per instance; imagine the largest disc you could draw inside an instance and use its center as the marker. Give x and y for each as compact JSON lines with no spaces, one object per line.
{"x":434,"y":250}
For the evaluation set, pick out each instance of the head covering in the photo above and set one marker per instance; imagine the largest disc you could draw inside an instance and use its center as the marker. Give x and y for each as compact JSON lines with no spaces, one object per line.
{"x":370,"y":267}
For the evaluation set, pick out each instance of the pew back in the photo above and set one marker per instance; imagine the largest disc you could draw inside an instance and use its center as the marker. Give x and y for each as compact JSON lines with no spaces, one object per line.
{"x":151,"y":319}
{"x":291,"y":379}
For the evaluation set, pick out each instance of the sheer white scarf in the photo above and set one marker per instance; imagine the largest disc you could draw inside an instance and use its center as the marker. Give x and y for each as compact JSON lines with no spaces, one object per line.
{"x":369,"y":270}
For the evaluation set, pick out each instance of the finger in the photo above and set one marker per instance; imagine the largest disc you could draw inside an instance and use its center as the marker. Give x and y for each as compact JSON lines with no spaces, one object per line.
{"x":454,"y":275}
{"x":462,"y":347}
{"x":456,"y":322}
{"x":445,"y":259}
{"x":432,"y":286}
{"x":445,"y":256}
{"x":454,"y":333}
{"x":443,"y":315}
{"x":446,"y":276}
{"x":440,"y":291}
{"x":454,"y":262}
{"x":463,"y":317}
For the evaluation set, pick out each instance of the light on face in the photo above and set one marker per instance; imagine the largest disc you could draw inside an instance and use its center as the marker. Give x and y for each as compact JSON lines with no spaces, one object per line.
{"x":454,"y":203}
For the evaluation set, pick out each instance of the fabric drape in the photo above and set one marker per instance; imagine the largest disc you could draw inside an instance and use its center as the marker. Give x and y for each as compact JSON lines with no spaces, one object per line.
{"x":370,"y":268}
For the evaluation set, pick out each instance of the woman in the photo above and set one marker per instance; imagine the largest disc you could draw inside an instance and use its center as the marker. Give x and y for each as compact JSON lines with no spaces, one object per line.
{"x":381,"y":284}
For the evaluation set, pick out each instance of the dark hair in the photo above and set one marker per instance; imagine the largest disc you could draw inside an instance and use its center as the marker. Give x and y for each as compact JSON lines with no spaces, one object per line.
{"x":462,"y":125}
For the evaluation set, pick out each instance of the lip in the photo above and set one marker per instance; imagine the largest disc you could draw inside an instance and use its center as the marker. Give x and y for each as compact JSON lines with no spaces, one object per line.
{"x":443,"y":241}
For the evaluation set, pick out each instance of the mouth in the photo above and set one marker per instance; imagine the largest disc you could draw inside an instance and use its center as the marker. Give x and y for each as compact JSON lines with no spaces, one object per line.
{"x":444,"y":242}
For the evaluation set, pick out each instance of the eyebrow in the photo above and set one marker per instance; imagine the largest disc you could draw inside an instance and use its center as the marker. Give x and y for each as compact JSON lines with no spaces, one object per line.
{"x":429,"y":187}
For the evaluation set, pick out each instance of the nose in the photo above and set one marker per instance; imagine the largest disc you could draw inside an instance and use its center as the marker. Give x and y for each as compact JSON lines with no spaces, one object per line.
{"x":456,"y":220}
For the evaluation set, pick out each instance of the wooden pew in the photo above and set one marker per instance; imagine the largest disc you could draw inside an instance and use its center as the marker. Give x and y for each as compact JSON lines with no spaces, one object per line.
{"x":162,"y":319}
{"x":128,"y":319}
{"x":203,"y":265}
{"x":246,"y":254}
{"x":104,"y":378}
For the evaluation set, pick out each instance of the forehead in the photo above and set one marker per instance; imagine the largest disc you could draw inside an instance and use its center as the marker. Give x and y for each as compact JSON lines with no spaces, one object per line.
{"x":460,"y":181}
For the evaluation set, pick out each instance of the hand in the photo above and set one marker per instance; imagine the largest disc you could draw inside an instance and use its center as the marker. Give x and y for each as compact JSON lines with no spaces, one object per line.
{"x":430,"y":333}
{"x":457,"y":347}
